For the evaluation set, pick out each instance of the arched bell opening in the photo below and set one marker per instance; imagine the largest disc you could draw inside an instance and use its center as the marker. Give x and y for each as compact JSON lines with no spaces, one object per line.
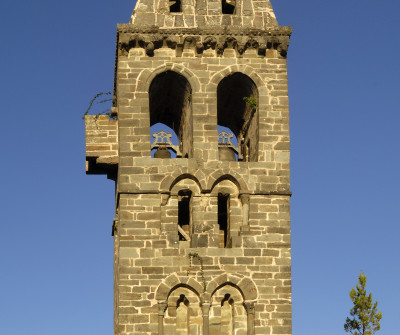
{"x":237,"y":103}
{"x":170,"y":96}
{"x":229,"y":212}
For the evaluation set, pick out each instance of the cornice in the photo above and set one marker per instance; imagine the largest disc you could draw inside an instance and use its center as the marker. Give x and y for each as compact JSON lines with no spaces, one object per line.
{"x":211,"y":30}
{"x":200,"y":39}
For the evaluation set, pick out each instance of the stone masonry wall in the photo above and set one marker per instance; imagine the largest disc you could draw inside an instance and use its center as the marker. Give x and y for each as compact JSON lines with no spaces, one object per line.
{"x":149,"y":250}
{"x":203,"y":278}
{"x":101,"y":143}
{"x":202,"y":13}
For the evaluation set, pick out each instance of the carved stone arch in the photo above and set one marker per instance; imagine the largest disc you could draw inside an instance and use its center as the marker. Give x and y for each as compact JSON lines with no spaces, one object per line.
{"x":188,"y":286}
{"x":173,"y":316}
{"x":244,"y":69}
{"x":187,"y":182}
{"x":258,"y":81}
{"x":170,"y":181}
{"x":173,"y":281}
{"x":146,"y":76}
{"x":244,"y":284}
{"x":221,"y":185}
{"x":238,"y":296}
{"x":234,"y":177}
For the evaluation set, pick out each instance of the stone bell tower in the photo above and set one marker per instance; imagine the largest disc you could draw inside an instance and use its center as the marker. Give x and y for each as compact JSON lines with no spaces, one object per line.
{"x":198,"y":145}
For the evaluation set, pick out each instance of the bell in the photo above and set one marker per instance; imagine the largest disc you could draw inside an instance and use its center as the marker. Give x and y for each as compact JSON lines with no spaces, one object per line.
{"x":226,"y":154}
{"x":162,"y":152}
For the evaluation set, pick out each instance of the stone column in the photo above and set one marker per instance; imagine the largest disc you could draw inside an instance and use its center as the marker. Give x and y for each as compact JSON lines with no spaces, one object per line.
{"x":162,"y":306}
{"x":245,"y":198}
{"x":205,"y":307}
{"x":250,"y":317}
{"x":196,"y":222}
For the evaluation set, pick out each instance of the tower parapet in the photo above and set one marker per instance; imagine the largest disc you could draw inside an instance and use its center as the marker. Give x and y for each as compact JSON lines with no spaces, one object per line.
{"x":204,"y":14}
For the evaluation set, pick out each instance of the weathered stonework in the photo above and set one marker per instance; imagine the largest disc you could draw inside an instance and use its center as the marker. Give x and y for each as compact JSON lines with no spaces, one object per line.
{"x":202,"y":245}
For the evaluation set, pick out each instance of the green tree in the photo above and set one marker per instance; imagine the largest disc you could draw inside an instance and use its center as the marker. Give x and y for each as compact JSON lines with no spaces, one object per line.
{"x":365,"y":316}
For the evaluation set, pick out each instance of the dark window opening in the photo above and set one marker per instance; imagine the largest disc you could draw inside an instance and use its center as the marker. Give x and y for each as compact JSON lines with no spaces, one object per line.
{"x":175,"y":6}
{"x":223,"y":219}
{"x":228,"y":7}
{"x":184,"y":211}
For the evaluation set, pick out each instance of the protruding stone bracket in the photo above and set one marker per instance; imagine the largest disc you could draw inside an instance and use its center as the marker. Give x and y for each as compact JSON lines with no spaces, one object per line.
{"x":209,"y":42}
{"x":114,"y":228}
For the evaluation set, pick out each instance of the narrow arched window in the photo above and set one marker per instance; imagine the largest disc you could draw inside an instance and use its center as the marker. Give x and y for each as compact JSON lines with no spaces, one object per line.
{"x":183,"y":315}
{"x":184,"y":215}
{"x":223,"y":219}
{"x":227,"y":312}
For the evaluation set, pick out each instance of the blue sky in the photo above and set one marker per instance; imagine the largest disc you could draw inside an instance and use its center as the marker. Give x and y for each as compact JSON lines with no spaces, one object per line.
{"x":56,"y":250}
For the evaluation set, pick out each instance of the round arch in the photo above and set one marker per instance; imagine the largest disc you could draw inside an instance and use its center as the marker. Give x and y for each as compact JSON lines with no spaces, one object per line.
{"x":172,"y":282}
{"x":146,"y":76}
{"x":244,"y":69}
{"x":170,"y":181}
{"x":186,"y":182}
{"x":244,"y":284}
{"x":234,"y":177}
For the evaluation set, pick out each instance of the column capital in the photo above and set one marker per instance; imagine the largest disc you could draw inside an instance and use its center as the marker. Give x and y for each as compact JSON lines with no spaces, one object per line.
{"x":249,"y":305}
{"x":245,"y":198}
{"x":162,"y":306}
